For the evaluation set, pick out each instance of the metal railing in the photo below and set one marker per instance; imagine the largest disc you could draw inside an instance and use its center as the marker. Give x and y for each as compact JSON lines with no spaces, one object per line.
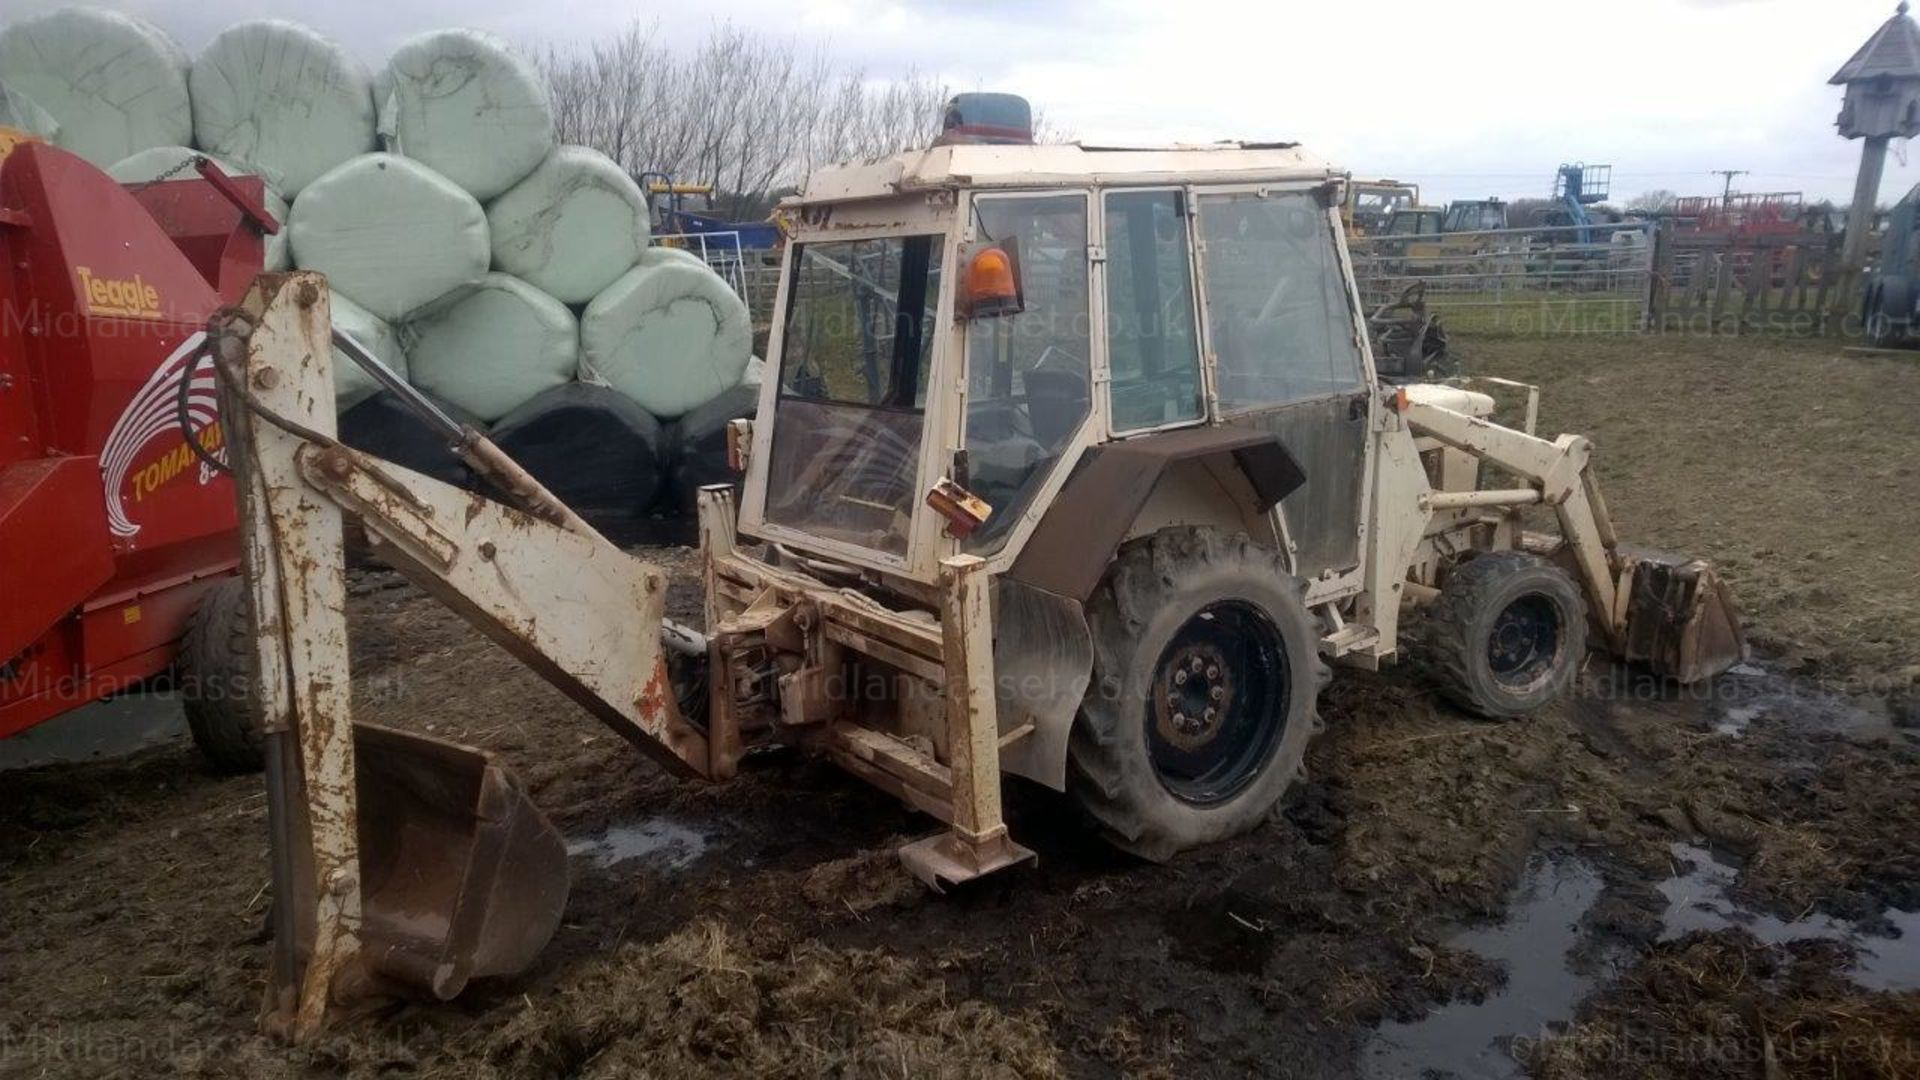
{"x":1593,"y":278}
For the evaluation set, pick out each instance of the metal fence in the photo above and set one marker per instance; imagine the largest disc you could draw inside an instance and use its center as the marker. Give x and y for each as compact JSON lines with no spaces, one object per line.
{"x":1566,"y":279}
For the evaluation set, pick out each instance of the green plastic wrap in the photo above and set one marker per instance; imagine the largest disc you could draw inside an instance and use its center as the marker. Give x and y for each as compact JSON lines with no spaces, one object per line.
{"x":491,"y":347}
{"x":465,"y":104}
{"x":114,"y":84}
{"x":391,"y":233}
{"x":572,"y":226}
{"x":670,"y":334}
{"x":283,"y":99}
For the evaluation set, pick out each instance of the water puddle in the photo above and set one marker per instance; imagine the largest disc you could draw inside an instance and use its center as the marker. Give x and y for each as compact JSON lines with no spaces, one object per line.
{"x":665,"y":842}
{"x":1748,"y":694}
{"x":1888,"y":952}
{"x":1751,"y":693}
{"x":1469,"y":1041}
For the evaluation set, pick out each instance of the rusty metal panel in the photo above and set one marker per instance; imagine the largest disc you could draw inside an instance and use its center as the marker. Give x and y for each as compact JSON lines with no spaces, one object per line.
{"x":1069,"y":550}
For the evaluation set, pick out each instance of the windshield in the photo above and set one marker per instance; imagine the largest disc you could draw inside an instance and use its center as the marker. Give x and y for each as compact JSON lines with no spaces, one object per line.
{"x":856,"y":348}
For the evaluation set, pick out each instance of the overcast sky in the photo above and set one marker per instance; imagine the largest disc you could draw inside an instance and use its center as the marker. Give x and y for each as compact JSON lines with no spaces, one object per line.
{"x":1469,"y":98}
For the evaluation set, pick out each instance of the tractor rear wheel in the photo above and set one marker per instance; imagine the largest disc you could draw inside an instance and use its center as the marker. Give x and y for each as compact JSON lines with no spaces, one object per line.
{"x":1206,"y":673}
{"x":215,"y":674}
{"x":1507,"y":635}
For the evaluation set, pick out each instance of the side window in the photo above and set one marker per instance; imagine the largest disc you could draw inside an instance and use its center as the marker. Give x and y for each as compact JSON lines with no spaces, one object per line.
{"x":1276,"y":301}
{"x":1153,"y":349}
{"x":1028,"y":379}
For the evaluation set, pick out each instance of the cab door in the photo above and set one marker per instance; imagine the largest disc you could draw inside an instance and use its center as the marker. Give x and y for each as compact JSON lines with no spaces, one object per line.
{"x":1282,"y":344}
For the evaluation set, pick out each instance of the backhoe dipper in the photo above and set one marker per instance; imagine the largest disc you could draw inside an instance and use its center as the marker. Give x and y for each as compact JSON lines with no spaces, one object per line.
{"x":1071,"y":464}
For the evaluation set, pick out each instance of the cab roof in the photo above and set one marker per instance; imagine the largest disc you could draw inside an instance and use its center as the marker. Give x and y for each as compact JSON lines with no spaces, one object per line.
{"x":999,"y":166}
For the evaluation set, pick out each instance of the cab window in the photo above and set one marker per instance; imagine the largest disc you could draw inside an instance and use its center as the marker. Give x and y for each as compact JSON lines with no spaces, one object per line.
{"x":1027,"y":374}
{"x":1152,"y":347}
{"x":1276,"y":300}
{"x":857,"y":348}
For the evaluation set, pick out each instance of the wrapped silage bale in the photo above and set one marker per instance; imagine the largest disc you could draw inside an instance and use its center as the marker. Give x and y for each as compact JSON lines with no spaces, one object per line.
{"x":19,"y":112}
{"x":576,"y":223}
{"x":465,"y":104}
{"x":389,"y":232}
{"x":697,"y":445}
{"x":351,"y":383}
{"x":283,"y":99}
{"x":389,"y":429}
{"x":113,"y":83}
{"x":594,"y":448}
{"x":670,"y":334}
{"x":158,"y":161}
{"x":491,"y":347}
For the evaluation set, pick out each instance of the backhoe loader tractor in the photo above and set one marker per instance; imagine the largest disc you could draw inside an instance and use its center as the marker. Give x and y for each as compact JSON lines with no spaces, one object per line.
{"x":1071,"y":464}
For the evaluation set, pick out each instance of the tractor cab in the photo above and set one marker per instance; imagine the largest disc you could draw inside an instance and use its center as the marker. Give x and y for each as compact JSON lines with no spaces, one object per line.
{"x":962,"y":330}
{"x":1475,"y":215}
{"x":1371,"y":204}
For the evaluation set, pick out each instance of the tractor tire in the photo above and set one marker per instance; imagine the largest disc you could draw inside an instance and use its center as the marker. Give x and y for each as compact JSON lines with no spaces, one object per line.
{"x":215,"y":674}
{"x":1206,"y":675}
{"x":1889,"y":311}
{"x":1507,"y":634}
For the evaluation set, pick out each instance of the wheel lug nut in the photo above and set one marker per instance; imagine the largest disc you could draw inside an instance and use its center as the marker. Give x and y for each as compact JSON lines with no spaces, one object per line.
{"x":1218,"y":693}
{"x":1180,"y":678}
{"x":1198,"y":664}
{"x":1210,"y":714}
{"x":1213,"y":672}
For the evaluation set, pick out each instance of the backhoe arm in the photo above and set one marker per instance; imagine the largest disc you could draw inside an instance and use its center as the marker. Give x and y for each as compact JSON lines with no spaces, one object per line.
{"x":400,"y":860}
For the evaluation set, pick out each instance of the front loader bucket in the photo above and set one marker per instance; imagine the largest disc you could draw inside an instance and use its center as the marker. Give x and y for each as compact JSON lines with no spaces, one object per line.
{"x":1680,"y":620}
{"x":462,"y":876}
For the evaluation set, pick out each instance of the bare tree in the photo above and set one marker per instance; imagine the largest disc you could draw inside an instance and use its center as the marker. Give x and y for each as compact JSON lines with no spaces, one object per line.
{"x":747,"y":113}
{"x":1652,"y":202}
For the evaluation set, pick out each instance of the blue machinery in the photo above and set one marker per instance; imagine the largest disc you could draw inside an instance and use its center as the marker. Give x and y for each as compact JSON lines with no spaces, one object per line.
{"x":1578,"y":186}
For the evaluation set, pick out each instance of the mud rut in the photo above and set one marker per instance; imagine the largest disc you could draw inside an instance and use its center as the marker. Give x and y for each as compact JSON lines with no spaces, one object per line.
{"x":762,"y":928}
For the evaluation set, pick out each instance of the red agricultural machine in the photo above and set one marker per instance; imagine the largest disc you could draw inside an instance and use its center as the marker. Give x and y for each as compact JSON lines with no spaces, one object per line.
{"x":1744,"y":217}
{"x":115,"y":534}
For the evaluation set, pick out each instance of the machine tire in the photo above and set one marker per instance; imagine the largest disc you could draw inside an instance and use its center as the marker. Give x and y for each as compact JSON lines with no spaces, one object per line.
{"x":1163,"y":598}
{"x":1889,"y":311}
{"x":1521,"y":597}
{"x":215,"y":673}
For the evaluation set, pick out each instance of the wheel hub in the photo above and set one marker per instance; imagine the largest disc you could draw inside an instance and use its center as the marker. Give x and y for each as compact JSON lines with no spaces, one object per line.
{"x":1217,"y":702}
{"x":1195,"y":693}
{"x":1524,"y":640}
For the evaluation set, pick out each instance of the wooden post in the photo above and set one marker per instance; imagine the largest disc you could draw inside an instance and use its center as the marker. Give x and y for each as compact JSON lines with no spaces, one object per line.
{"x":1866,"y":192}
{"x":1659,"y":274}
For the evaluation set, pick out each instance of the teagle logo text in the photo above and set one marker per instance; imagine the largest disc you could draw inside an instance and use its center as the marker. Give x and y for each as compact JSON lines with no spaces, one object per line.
{"x":131,"y":297}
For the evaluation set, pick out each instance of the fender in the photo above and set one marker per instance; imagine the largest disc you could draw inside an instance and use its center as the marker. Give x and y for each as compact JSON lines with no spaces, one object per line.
{"x":1069,"y":550}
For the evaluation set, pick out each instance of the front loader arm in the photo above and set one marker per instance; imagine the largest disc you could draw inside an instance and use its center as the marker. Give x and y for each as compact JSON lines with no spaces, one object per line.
{"x":1558,"y":473}
{"x":1671,"y":612}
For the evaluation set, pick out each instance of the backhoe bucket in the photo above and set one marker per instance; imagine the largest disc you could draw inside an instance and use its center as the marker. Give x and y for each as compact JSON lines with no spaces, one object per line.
{"x":1680,"y":620}
{"x":462,"y":876}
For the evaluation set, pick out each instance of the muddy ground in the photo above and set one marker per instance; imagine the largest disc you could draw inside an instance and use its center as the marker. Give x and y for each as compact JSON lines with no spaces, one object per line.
{"x":763,"y":928}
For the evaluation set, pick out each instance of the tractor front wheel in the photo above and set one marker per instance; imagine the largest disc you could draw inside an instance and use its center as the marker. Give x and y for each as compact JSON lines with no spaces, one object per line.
{"x":1508,"y":634}
{"x":1205,"y":678}
{"x":214,"y":671}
